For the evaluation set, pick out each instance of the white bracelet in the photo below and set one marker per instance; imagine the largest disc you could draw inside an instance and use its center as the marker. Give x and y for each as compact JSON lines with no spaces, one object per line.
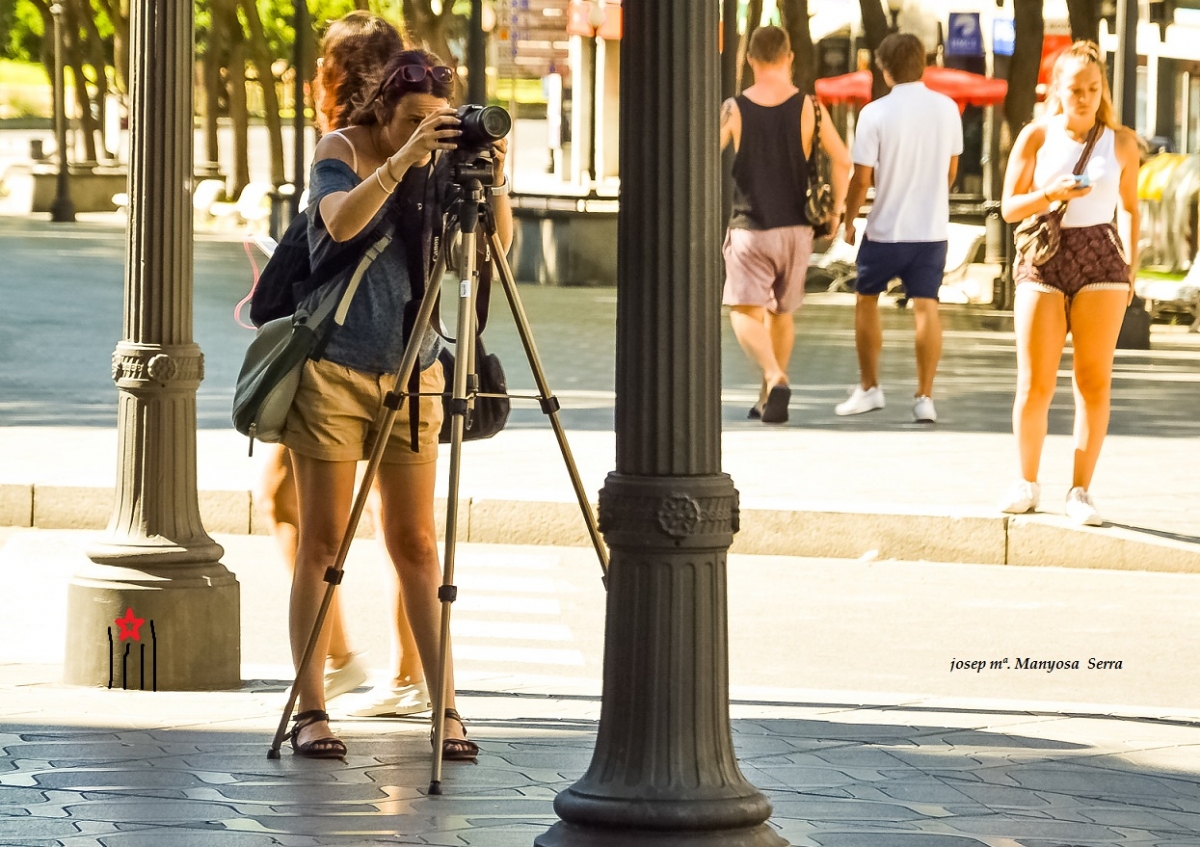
{"x":501,"y":189}
{"x":379,"y":179}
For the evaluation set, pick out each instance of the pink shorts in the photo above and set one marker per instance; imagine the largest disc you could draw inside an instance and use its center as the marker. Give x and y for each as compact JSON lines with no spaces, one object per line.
{"x":767,"y":267}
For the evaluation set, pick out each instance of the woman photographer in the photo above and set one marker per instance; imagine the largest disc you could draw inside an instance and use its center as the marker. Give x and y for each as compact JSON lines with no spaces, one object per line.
{"x":379,"y":169}
{"x":1085,"y":286}
{"x":353,"y":50}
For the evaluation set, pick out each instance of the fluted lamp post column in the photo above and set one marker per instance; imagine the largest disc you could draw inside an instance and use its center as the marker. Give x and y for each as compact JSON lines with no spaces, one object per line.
{"x":155,"y":608}
{"x":664,"y":772}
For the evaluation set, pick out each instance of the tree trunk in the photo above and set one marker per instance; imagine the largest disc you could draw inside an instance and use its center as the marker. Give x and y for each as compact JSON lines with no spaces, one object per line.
{"x":226,"y":21}
{"x":239,"y":116}
{"x":47,"y":52}
{"x":804,"y":63}
{"x":427,"y":29}
{"x":875,"y":29}
{"x":745,"y":72}
{"x":118,"y":15}
{"x":1085,"y":19}
{"x":213,"y":89}
{"x":99,"y":63}
{"x":261,"y":56}
{"x":1026,"y":61}
{"x":73,"y":53}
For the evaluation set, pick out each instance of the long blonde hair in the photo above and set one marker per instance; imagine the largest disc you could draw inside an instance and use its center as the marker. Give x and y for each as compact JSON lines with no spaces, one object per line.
{"x":1087,"y":52}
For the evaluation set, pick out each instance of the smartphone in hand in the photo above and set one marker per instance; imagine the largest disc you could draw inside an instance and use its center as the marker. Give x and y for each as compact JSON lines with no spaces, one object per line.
{"x":1081,"y":180}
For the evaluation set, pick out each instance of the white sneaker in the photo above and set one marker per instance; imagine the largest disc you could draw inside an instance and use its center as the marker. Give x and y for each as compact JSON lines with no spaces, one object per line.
{"x":861,"y":400}
{"x":1021,"y":498}
{"x":346,"y":678}
{"x":1081,"y":509}
{"x":386,"y":701}
{"x":923,"y":411}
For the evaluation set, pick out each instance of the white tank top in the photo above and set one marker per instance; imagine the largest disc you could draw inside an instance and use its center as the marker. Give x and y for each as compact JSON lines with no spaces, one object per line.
{"x":1058,"y":155}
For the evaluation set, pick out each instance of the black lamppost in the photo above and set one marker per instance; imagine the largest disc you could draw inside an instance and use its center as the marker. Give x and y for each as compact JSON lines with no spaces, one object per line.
{"x":596,"y":16}
{"x":62,"y":210}
{"x":301,"y":25}
{"x":664,"y":771}
{"x":895,"y":7}
{"x":476,"y":56}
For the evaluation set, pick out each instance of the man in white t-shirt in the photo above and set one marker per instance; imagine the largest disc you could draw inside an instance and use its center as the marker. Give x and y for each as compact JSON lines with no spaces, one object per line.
{"x":908,"y":144}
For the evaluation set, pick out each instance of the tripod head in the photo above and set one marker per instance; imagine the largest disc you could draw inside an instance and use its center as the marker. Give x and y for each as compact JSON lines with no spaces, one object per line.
{"x":470,"y":172}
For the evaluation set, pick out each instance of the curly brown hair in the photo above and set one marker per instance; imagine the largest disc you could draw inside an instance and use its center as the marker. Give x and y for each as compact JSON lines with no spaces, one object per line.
{"x":353,"y":51}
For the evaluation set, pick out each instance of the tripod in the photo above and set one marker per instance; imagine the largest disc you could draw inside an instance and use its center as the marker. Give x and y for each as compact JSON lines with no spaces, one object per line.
{"x":473,"y":214}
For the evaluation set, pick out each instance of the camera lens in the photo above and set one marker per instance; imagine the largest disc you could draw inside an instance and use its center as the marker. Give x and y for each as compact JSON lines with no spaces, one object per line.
{"x":483,"y":125}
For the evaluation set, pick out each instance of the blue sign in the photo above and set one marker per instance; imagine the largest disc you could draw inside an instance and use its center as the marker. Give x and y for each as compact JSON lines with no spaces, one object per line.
{"x":1004,"y":36}
{"x":964,"y":36}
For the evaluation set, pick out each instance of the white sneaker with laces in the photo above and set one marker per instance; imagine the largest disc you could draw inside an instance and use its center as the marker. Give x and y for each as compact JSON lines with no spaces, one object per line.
{"x":348,"y":677}
{"x":1081,"y":509}
{"x":384,"y":700}
{"x":1021,"y":498}
{"x":861,"y":400}
{"x":923,"y":411}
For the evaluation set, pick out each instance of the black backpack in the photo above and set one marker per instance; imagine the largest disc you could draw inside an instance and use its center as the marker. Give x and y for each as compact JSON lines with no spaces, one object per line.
{"x":288,"y":276}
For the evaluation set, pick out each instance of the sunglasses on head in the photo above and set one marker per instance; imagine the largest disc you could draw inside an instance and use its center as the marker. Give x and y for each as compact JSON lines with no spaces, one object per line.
{"x":417,"y":73}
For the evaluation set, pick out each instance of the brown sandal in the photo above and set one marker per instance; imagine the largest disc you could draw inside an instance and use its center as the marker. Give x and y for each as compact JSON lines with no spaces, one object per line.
{"x":457,"y":749}
{"x":328,"y":747}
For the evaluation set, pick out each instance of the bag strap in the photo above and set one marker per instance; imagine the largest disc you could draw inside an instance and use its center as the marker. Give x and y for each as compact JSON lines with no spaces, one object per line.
{"x":1092,"y":138}
{"x":816,"y":139}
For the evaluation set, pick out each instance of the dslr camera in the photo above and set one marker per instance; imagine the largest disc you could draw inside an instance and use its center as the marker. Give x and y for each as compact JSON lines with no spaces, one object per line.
{"x":481,"y":126}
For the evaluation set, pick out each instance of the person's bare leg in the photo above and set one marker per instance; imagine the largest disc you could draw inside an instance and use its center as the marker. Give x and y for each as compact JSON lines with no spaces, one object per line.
{"x":1096,"y":318}
{"x":782,"y":327}
{"x":929,"y":342}
{"x":325,"y":491}
{"x":868,"y":338}
{"x":277,"y":504}
{"x":406,"y":661}
{"x":407,"y":514}
{"x":1040,"y":321}
{"x":750,"y":328}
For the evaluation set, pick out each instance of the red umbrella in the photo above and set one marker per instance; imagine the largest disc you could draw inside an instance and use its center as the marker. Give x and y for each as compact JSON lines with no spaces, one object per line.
{"x":847,"y":88}
{"x":965,"y":88}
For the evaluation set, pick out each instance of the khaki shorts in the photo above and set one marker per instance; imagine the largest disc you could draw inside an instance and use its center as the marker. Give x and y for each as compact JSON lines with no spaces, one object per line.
{"x":333,"y":415}
{"x":767,"y":267}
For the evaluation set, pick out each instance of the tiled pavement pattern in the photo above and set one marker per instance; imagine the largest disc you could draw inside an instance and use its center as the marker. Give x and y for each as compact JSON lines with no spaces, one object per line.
{"x":125,"y":769}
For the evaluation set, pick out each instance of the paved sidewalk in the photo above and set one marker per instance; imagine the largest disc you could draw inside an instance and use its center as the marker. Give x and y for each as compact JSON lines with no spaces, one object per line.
{"x":127,"y":769}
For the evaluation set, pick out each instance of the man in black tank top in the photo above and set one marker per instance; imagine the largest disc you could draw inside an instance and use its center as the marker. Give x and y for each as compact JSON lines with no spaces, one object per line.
{"x":769,"y":241}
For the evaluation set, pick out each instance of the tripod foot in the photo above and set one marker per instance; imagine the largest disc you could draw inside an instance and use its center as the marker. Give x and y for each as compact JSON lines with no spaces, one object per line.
{"x":273,"y":753}
{"x":435,"y":787}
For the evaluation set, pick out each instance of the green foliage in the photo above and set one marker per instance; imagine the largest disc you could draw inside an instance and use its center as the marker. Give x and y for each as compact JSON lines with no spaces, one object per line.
{"x":20,"y":30}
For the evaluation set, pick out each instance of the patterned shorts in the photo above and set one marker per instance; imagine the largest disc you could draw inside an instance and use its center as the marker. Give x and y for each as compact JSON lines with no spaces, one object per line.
{"x":1088,"y":257}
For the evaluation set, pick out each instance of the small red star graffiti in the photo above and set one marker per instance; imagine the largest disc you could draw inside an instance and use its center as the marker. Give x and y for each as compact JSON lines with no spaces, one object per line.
{"x":129,"y":625}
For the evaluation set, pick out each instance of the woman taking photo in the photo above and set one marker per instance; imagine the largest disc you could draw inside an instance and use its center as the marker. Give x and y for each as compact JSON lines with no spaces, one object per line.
{"x":353,"y":50}
{"x":1085,"y":286}
{"x":376,"y":170}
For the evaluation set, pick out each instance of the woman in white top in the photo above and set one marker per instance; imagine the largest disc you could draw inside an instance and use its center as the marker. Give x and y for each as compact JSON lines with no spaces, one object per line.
{"x":1084,"y":288}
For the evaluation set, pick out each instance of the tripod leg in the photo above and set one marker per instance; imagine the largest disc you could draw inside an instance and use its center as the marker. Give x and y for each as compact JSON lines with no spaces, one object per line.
{"x":448,"y":591}
{"x":384,"y":421}
{"x":549,"y":402}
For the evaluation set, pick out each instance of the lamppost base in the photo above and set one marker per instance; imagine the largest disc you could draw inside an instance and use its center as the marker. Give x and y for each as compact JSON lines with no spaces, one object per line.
{"x":154,"y":628}
{"x":62,"y":212}
{"x":572,"y":835}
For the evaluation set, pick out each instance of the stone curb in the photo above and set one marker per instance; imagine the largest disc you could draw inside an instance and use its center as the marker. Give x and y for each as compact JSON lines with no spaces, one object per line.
{"x":988,"y":539}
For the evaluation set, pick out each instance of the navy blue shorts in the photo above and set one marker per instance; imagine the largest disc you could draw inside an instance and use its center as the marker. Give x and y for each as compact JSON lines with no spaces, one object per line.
{"x":919,"y":264}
